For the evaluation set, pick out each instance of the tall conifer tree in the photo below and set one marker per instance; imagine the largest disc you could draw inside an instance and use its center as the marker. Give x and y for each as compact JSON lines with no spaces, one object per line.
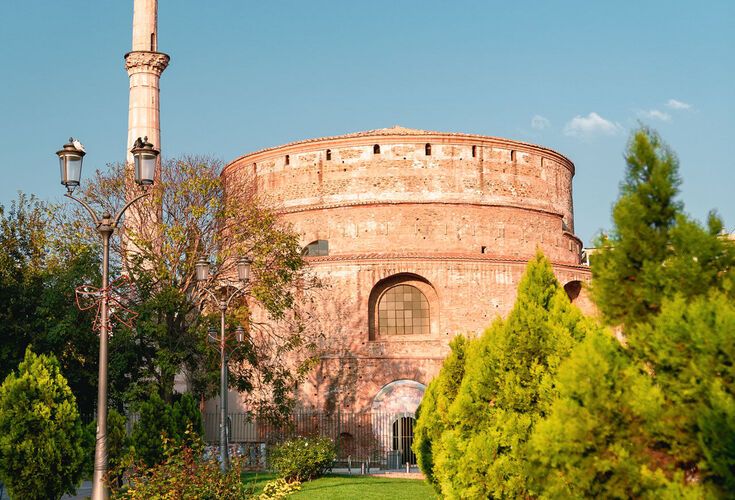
{"x":508,"y":385}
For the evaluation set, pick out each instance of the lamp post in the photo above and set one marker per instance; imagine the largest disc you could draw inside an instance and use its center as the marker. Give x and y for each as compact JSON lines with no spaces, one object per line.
{"x":203,"y":270}
{"x":70,"y":164}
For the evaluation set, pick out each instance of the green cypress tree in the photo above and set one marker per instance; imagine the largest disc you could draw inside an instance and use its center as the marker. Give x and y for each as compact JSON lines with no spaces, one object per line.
{"x":628,"y":281}
{"x":596,"y":441}
{"x":432,"y":414}
{"x":155,"y":422}
{"x":655,"y":251}
{"x":690,"y":349}
{"x":508,"y":385}
{"x":41,"y":450}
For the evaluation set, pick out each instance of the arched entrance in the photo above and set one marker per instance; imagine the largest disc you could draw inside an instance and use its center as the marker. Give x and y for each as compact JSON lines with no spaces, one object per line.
{"x":394,"y":417}
{"x":402,"y":434}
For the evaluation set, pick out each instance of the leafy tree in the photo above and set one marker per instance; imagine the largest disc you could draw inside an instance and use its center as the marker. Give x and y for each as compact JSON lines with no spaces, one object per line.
{"x":41,"y":451}
{"x":40,"y":265}
{"x":187,"y":217}
{"x":508,"y":385}
{"x":654,"y":250}
{"x":432,"y":414}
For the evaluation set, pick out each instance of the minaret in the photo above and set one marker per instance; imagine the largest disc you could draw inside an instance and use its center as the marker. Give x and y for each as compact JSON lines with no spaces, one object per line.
{"x":145,"y":65}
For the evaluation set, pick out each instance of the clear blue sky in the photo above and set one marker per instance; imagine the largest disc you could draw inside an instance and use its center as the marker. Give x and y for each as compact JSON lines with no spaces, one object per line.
{"x":572,"y":76}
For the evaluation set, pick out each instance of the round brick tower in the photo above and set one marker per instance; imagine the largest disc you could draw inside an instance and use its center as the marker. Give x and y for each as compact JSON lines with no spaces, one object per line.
{"x":419,"y":236}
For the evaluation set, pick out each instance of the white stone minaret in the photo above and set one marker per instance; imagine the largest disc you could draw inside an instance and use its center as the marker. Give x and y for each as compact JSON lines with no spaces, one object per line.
{"x":145,"y":65}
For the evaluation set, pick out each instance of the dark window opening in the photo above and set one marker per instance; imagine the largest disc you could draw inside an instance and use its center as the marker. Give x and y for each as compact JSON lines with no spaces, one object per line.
{"x":403,"y":439}
{"x":376,"y":149}
{"x":288,"y":160}
{"x":153,"y":42}
{"x":318,"y":248}
{"x":474,"y":151}
{"x":512,"y":155}
{"x":572,"y":289}
{"x":427,"y":149}
{"x":483,"y":249}
{"x":329,"y":154}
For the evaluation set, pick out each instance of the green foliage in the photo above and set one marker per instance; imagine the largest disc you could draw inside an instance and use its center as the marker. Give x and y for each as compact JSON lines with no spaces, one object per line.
{"x":184,"y":474}
{"x":154,"y":426}
{"x":596,"y":441}
{"x":187,"y":419}
{"x":118,"y":444}
{"x":432,"y":414}
{"x":303,"y":459}
{"x":507,"y":387}
{"x":654,"y":250}
{"x":159,"y":421}
{"x":41,"y":451}
{"x":188,"y":217}
{"x":689,"y":347}
{"x":279,"y":489}
{"x":39,"y":267}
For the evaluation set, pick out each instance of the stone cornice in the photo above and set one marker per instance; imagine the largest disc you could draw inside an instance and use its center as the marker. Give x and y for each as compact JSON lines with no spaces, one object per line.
{"x":438,"y":257}
{"x":363,"y":203}
{"x":154,"y":62}
{"x":398,"y":135}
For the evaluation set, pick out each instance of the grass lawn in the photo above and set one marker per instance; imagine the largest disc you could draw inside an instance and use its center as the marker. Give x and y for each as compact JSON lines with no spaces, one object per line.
{"x":338,"y":487}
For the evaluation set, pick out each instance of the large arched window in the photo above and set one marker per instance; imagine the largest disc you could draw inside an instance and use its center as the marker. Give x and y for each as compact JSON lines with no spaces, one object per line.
{"x":403,"y":310}
{"x":403,"y":304}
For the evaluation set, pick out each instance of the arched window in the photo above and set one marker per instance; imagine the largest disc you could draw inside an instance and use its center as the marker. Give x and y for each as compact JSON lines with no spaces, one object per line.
{"x":474,"y":151}
{"x":329,"y":154}
{"x":288,"y":159}
{"x":403,"y":310}
{"x":318,"y":248}
{"x":427,"y":149}
{"x":376,"y":149}
{"x":512,"y":155}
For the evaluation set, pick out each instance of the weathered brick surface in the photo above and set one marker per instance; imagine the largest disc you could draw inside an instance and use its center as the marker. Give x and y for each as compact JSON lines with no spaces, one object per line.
{"x":458,"y":227}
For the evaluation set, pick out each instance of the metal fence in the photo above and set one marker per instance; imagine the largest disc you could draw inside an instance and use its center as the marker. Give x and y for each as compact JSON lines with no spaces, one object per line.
{"x":372,"y":439}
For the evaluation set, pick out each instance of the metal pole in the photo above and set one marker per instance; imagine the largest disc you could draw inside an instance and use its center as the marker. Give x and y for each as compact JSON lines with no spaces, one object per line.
{"x":99,"y":486}
{"x":223,"y":447}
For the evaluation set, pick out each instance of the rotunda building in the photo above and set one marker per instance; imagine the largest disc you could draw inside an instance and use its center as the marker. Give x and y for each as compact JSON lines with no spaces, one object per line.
{"x":418,"y":236}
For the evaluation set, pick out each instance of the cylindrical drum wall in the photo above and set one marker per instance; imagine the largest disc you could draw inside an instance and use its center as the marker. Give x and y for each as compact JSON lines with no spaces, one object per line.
{"x":450,"y":219}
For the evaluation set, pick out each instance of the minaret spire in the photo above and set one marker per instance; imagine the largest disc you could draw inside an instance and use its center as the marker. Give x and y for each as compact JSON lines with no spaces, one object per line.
{"x":145,"y":65}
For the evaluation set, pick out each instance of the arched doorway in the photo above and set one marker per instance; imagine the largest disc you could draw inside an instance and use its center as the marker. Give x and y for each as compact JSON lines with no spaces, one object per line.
{"x":403,"y":439}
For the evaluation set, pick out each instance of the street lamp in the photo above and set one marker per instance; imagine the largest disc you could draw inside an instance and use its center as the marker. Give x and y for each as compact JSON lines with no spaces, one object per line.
{"x":222,"y":297}
{"x":70,"y":163}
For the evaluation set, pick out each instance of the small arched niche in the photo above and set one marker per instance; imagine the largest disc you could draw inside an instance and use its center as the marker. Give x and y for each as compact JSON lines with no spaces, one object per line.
{"x":573,"y":289}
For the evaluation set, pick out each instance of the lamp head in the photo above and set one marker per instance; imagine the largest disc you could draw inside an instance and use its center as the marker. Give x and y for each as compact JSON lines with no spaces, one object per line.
{"x":144,"y":159}
{"x":243,"y":269}
{"x":70,"y":163}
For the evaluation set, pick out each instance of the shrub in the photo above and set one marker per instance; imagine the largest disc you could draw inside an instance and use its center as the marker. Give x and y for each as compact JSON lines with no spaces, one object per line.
{"x":279,"y":489}
{"x":186,"y":416}
{"x":303,"y":459}
{"x":181,"y":422}
{"x":41,"y":435}
{"x":184,"y":474}
{"x":155,"y":421}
